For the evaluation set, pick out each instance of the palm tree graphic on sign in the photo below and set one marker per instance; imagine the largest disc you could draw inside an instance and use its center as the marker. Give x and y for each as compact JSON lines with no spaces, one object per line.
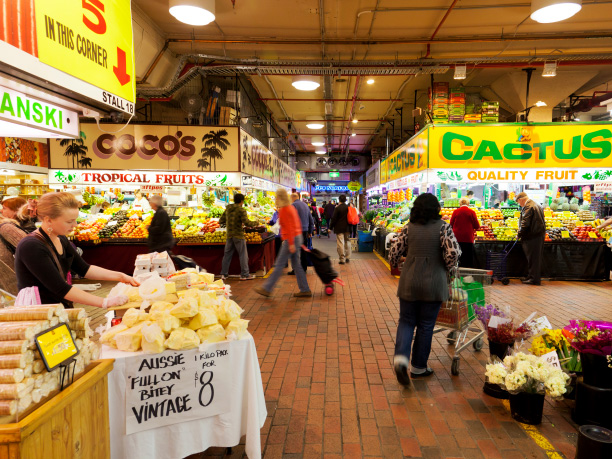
{"x":203,"y":162}
{"x":214,"y":143}
{"x":77,"y":150}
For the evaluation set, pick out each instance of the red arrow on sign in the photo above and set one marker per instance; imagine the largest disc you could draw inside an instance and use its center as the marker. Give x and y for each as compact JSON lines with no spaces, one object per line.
{"x":120,"y":68}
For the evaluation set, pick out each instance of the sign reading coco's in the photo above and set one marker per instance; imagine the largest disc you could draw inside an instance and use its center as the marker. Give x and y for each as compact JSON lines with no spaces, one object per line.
{"x":181,"y":148}
{"x":91,"y":40}
{"x":529,"y":146}
{"x":162,"y":178}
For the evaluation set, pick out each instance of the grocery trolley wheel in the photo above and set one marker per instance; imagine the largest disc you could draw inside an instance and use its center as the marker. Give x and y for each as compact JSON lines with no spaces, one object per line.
{"x":505,"y":281}
{"x":329,"y":289}
{"x":455,"y":366}
{"x":478,"y":344}
{"x":452,"y":337}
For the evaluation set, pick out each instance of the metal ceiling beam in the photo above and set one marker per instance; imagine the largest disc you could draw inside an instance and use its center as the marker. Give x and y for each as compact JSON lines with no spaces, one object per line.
{"x":331,"y":100}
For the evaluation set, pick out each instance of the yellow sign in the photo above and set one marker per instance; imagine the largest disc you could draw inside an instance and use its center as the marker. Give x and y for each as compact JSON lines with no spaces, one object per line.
{"x":259,"y":161}
{"x":593,"y":234}
{"x":494,"y":224}
{"x":480,"y":233}
{"x":567,"y":213}
{"x":411,"y":157}
{"x":354,"y":186}
{"x":91,"y":40}
{"x":565,"y":234}
{"x":579,"y":223}
{"x":517,"y":214}
{"x":547,"y":213}
{"x":520,"y":146}
{"x":556,"y":224}
{"x":56,"y":346}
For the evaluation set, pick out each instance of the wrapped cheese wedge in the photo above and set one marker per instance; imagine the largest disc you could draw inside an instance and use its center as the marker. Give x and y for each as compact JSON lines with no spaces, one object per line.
{"x":8,"y":407}
{"x":133,"y":316}
{"x":27,"y":313}
{"x":13,"y":361}
{"x":133,"y":295}
{"x":13,"y":347}
{"x":11,"y":375}
{"x":168,"y":322}
{"x":182,"y":338}
{"x":107,"y":336}
{"x":160,"y":307}
{"x":208,"y":299}
{"x":203,"y":318}
{"x":228,"y":310}
{"x":236,"y":329}
{"x":171,"y":298}
{"x":190,"y":293}
{"x":170,"y":287}
{"x":186,"y":307}
{"x":153,"y":339}
{"x":129,"y":340}
{"x":212,"y":334}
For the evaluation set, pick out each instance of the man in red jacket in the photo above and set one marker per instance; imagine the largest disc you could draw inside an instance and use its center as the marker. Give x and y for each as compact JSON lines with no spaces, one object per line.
{"x":464,"y":223}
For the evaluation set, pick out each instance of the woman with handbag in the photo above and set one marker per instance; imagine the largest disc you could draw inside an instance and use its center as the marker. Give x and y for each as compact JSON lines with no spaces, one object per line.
{"x":430,"y":250}
{"x":45,"y":257}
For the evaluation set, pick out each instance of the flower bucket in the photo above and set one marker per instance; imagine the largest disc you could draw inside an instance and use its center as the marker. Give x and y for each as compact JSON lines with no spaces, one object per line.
{"x":527,"y":408}
{"x":595,"y":370}
{"x":499,"y":349}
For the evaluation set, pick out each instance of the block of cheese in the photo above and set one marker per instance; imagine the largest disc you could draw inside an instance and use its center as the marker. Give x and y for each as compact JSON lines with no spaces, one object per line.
{"x":236,"y":329}
{"x":182,"y":338}
{"x":133,"y":295}
{"x":160,"y":307}
{"x":186,"y":307}
{"x":208,"y":299}
{"x":191,"y":293}
{"x":212,"y":334}
{"x":171,"y":298}
{"x":153,"y":339}
{"x":133,"y":316}
{"x":107,"y":336}
{"x":129,"y":340}
{"x":170,"y":287}
{"x":203,"y":318}
{"x":228,"y":310}
{"x":167,"y":322}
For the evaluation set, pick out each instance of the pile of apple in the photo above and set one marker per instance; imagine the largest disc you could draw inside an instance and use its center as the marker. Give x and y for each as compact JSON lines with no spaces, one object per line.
{"x":488,"y":234}
{"x":582,"y":234}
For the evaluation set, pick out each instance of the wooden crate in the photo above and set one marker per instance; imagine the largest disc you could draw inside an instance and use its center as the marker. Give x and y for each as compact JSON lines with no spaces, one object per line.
{"x":73,"y":424}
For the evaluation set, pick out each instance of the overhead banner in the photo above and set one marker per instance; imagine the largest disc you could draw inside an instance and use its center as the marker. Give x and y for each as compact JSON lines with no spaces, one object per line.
{"x":147,"y":147}
{"x":560,"y":145}
{"x":136,"y":177}
{"x":411,"y":157}
{"x":258,"y":161}
{"x":91,"y":40}
{"x":525,"y":175}
{"x":373,"y":176}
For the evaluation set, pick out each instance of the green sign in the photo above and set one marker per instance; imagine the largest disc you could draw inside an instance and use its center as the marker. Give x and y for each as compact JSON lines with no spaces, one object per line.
{"x":334,"y":174}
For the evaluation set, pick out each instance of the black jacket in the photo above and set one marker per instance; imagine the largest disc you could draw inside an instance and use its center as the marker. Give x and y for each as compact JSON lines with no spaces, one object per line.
{"x":160,"y":232}
{"x":328,"y":210}
{"x":339,"y":221}
{"x":531,"y":224}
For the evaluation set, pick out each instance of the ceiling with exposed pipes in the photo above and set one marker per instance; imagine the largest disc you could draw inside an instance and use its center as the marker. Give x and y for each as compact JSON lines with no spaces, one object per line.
{"x":399,"y":44}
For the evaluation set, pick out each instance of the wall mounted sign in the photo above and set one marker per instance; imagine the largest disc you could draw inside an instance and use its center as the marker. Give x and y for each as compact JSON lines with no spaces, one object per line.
{"x":564,"y":175}
{"x":336,"y":188}
{"x":259,"y":161}
{"x":354,"y":186}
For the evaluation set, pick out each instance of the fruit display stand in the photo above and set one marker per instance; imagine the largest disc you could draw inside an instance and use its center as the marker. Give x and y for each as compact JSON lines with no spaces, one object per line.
{"x":119,"y":254}
{"x":74,"y":423}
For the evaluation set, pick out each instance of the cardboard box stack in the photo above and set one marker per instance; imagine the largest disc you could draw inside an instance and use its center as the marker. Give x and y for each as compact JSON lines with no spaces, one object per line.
{"x":457,"y":105}
{"x":490,"y":112}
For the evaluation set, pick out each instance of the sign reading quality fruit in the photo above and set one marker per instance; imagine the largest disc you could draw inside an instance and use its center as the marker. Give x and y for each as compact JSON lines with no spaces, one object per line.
{"x":91,"y":40}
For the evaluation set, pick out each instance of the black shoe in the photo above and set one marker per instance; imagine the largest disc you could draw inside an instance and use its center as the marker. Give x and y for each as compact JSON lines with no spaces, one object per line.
{"x":427,"y":373}
{"x":347,"y":260}
{"x":523,"y":279}
{"x":291,"y":273}
{"x":340,"y":262}
{"x":531,"y":282}
{"x":401,"y":373}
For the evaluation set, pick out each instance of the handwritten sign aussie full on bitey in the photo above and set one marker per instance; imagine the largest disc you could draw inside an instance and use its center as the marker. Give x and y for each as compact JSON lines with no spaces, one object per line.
{"x":177,"y":386}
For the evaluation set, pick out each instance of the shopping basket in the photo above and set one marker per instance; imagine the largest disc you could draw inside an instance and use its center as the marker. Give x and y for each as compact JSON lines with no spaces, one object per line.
{"x":467,"y":289}
{"x":497,"y":261}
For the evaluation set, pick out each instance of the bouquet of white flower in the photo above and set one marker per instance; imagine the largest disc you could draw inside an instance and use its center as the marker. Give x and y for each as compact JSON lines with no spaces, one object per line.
{"x":528,"y":373}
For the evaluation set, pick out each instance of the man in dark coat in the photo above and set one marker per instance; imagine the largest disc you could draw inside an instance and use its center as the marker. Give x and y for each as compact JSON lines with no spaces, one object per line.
{"x":339,"y":223}
{"x":328,"y":212}
{"x":532,"y":229}
{"x":160,"y":231}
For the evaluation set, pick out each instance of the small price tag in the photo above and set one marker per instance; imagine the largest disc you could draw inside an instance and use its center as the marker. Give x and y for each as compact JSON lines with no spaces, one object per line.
{"x":552,"y":358}
{"x":200,"y":225}
{"x":517,"y":214}
{"x":565,"y":234}
{"x":556,"y":224}
{"x":567,"y":213}
{"x":579,"y":223}
{"x":593,"y":234}
{"x":496,"y":321}
{"x":112,"y":223}
{"x":547,"y":213}
{"x":494,"y":224}
{"x":180,"y":227}
{"x":480,"y":233}
{"x":541,"y":323}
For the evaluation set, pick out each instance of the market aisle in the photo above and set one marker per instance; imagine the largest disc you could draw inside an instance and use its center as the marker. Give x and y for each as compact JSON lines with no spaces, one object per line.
{"x":330,"y":387}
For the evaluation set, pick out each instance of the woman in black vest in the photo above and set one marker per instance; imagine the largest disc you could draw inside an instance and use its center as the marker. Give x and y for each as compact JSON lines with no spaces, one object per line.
{"x":430,"y":250}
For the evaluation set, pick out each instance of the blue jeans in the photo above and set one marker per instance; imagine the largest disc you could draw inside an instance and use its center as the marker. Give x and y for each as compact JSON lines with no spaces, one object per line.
{"x":281,"y":262}
{"x":239,"y":245}
{"x":422,"y":315}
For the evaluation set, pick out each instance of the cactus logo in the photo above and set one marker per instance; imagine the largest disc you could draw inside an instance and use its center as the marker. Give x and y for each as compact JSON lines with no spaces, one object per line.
{"x":67,"y":177}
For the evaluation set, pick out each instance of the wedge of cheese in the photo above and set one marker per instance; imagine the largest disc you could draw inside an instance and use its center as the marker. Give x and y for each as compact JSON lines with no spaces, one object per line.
{"x":153,"y":339}
{"x":133,"y":316}
{"x":227,"y":311}
{"x":134,"y":295}
{"x":167,"y":322}
{"x":203,"y":318}
{"x":158,"y":308}
{"x":182,"y":338}
{"x":186,"y":307}
{"x":212,"y":334}
{"x":129,"y":340}
{"x":236,"y":329}
{"x":109,"y":335}
{"x":171,"y":298}
{"x":170,"y":287}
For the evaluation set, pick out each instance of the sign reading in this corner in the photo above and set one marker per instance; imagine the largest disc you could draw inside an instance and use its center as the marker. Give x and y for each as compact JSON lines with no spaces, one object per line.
{"x":91,"y":40}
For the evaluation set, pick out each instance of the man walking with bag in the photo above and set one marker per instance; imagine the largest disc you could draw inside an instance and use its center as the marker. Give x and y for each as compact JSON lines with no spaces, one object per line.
{"x":532,"y":229}
{"x":307,"y":228}
{"x":235,"y":217}
{"x":339,"y":223}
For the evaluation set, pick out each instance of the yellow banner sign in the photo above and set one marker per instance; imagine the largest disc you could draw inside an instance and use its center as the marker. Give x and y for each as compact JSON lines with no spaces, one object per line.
{"x":258,"y":161}
{"x":147,"y":147}
{"x":411,"y":157}
{"x":91,"y":40}
{"x":56,"y":346}
{"x":516,"y":145}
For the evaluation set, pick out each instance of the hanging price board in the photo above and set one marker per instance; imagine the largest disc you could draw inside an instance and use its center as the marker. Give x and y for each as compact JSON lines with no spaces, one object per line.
{"x":56,"y":346}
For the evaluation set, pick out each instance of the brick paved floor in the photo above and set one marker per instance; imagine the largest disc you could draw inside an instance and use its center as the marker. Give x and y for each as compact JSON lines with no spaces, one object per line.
{"x":330,"y":387}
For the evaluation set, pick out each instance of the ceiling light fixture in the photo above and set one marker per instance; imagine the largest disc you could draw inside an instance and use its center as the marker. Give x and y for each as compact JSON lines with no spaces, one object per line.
{"x":460,"y":72}
{"x":305,"y":82}
{"x":314,"y":122}
{"x":550,"y":69}
{"x":539,"y":103}
{"x":355,"y":120}
{"x":353,"y":134}
{"x":370,"y":81}
{"x":547,"y":11}
{"x":317,"y":141}
{"x":193,"y":12}
{"x":320,"y":152}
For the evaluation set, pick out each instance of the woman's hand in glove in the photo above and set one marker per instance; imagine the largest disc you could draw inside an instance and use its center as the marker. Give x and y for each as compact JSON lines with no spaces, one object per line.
{"x":128,"y":280}
{"x":113,"y":301}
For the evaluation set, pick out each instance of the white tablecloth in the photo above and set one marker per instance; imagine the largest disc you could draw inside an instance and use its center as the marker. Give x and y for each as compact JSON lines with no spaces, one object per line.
{"x":246,"y":417}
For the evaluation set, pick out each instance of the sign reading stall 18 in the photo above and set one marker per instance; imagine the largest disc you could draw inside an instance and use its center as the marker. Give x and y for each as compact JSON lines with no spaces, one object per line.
{"x":91,"y":40}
